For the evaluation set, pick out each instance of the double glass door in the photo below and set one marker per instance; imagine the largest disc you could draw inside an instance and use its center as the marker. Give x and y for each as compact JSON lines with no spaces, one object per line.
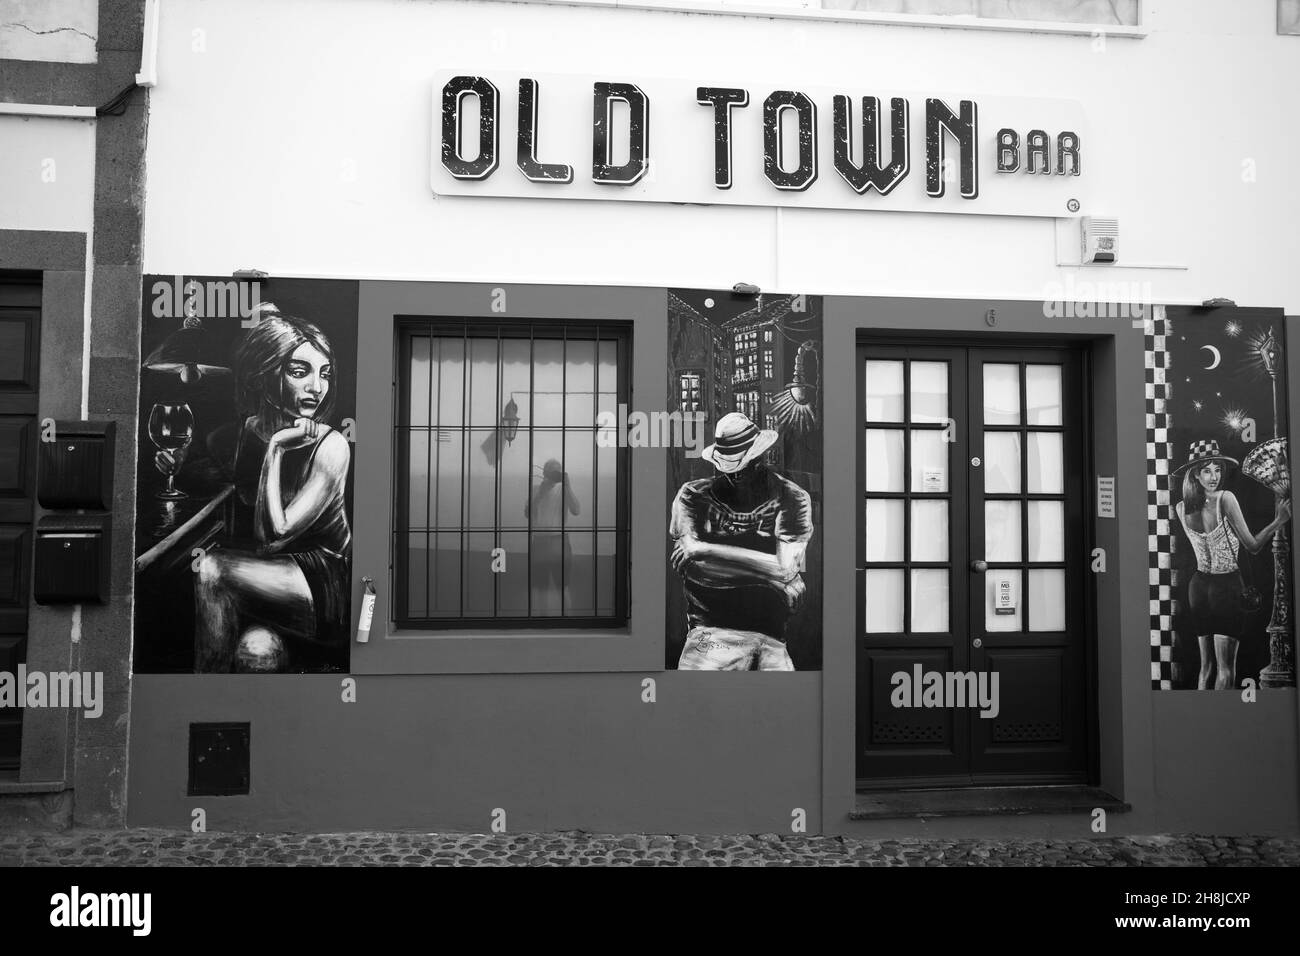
{"x":972,"y":658}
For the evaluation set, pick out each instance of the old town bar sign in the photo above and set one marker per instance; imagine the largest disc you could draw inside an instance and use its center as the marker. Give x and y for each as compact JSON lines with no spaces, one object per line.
{"x":742,"y":144}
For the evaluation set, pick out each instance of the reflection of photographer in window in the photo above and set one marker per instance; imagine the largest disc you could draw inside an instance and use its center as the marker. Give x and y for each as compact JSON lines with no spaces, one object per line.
{"x":1216,"y":528}
{"x":552,"y":555}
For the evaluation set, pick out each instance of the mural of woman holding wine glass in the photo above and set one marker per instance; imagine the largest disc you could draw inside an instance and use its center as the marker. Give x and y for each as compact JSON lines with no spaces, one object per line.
{"x":253,"y":607}
{"x":255,"y":503}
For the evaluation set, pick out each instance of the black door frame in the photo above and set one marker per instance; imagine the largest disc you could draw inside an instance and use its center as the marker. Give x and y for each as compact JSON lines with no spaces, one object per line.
{"x":931,"y":342}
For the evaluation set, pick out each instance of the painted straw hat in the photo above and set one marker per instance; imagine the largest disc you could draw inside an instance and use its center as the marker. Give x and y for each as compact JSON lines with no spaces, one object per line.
{"x":737,"y":442}
{"x":1202,"y":453}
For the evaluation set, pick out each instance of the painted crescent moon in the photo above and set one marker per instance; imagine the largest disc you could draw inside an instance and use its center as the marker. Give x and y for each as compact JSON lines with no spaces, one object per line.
{"x":1217,"y":357}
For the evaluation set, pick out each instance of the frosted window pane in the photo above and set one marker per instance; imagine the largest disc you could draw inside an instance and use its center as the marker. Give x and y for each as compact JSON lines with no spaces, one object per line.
{"x":884,"y":391}
{"x":929,"y":461}
{"x":1046,"y":531}
{"x":929,"y":601}
{"x":1002,"y":622}
{"x":1002,"y":530}
{"x":1045,"y":468}
{"x":929,"y":531}
{"x":929,"y":391}
{"x":884,"y":454}
{"x":884,"y":530}
{"x":1001,"y":462}
{"x":1047,"y":600}
{"x":884,"y":602}
{"x":1043,"y":394}
{"x":1001,"y":395}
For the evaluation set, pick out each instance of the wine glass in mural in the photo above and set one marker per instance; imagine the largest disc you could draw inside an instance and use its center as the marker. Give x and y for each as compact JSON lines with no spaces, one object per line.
{"x":171,"y":428}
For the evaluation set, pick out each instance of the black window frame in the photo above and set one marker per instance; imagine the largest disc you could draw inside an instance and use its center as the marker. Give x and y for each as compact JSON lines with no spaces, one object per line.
{"x":408,"y":326}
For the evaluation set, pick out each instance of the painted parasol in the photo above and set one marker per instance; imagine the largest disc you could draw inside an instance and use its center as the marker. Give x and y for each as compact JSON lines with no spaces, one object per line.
{"x":1267,"y":464}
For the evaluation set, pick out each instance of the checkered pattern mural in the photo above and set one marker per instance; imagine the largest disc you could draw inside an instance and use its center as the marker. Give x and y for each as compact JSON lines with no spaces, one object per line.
{"x":1160,"y":514}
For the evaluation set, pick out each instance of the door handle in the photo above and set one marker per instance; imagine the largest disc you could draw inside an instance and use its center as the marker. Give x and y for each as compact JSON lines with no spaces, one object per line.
{"x":979,"y":567}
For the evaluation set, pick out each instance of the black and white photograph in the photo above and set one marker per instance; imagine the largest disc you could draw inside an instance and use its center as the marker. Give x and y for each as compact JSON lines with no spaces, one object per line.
{"x":695,"y":434}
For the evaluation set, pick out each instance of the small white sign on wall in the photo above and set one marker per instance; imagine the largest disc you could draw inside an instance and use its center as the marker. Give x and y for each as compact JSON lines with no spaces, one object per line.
{"x":1105,"y":496}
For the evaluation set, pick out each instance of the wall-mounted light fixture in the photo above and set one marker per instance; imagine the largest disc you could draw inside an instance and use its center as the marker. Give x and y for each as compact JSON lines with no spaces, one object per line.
{"x":745,"y":288}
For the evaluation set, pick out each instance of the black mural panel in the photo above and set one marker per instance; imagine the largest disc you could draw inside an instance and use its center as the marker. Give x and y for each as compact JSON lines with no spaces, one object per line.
{"x":1228,"y":504}
{"x":244,"y":476}
{"x":745,"y":502}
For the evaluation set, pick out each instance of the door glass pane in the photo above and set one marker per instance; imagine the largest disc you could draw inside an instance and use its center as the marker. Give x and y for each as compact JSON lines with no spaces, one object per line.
{"x":1045,"y":467}
{"x":1001,"y":463}
{"x":929,"y":601}
{"x":1001,"y":530}
{"x":929,"y":391}
{"x":1046,"y":531}
{"x":929,"y":461}
{"x":1047,"y":600}
{"x":1002,"y":587}
{"x":1001,"y":395}
{"x":884,"y":602}
{"x":884,"y":454}
{"x":1043,"y":394}
{"x":884,"y":391}
{"x":884,"y":530}
{"x":929,"y":531}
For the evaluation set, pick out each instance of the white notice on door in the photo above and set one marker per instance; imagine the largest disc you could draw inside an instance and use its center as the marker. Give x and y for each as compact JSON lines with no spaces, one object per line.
{"x":1004,"y":597}
{"x":932,"y":479}
{"x":1105,"y":496}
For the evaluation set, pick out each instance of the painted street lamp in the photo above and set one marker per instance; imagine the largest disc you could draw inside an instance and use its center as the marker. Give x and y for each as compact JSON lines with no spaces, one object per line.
{"x":1280,"y":671}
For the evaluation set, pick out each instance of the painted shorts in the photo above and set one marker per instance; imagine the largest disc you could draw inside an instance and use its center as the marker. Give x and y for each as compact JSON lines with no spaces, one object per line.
{"x":723,"y":649}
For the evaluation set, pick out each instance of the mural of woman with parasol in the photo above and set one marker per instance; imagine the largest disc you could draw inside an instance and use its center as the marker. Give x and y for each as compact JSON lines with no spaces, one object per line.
{"x":1212,"y":518}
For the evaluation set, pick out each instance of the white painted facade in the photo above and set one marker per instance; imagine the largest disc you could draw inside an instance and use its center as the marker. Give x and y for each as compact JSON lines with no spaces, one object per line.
{"x":296,"y":138}
{"x":47,"y":170}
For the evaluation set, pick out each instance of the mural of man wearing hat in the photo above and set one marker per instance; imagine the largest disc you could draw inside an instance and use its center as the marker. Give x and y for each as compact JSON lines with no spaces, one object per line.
{"x":740,"y":539}
{"x":1216,"y":528}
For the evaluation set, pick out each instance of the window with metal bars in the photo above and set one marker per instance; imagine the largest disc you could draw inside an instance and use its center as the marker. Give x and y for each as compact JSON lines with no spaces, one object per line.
{"x":512,"y":495}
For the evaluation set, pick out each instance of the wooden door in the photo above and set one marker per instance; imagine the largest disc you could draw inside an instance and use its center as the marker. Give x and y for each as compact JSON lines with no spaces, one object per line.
{"x":972,"y":661}
{"x":20,"y":312}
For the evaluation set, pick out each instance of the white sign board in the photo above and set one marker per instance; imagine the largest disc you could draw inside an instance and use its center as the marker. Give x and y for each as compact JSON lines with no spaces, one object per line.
{"x":736,"y":142}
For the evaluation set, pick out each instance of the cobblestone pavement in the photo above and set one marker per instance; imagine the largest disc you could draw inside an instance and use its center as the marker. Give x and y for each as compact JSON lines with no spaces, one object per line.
{"x":172,"y":848}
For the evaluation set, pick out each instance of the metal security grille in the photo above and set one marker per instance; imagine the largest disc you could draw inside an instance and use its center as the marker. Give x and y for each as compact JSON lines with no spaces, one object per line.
{"x":511,"y":493}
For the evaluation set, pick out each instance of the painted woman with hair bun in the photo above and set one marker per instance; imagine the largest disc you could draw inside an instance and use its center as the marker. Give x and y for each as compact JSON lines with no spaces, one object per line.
{"x":283,"y":603}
